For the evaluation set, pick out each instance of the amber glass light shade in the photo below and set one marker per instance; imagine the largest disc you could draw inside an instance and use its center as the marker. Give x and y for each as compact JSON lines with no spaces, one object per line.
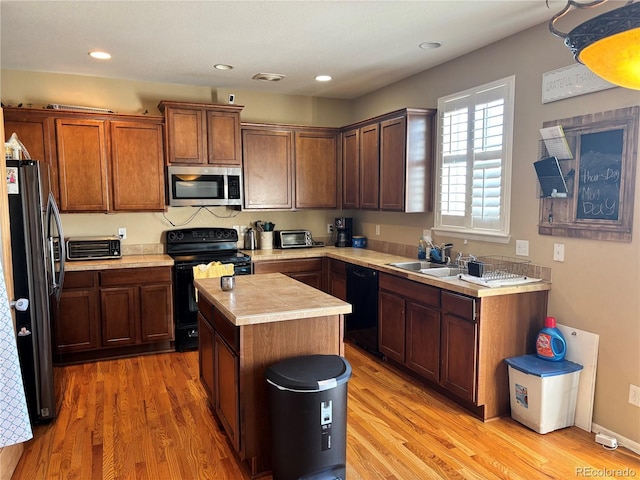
{"x":615,"y":58}
{"x":609,"y":44}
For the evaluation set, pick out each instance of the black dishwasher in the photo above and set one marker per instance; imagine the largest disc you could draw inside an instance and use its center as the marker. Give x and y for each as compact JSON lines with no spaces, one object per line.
{"x":361,"y":326}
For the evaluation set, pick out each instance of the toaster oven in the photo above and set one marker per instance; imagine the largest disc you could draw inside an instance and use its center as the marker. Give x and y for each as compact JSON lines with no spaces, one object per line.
{"x":93,"y":248}
{"x":293,"y":239}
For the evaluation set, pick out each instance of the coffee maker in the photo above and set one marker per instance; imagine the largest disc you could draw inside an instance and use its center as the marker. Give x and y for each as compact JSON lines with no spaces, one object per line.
{"x":344,"y":231}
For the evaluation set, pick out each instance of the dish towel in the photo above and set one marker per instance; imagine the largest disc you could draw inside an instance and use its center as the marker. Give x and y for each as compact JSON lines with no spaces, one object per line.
{"x":211,"y":270}
{"x":15,"y":426}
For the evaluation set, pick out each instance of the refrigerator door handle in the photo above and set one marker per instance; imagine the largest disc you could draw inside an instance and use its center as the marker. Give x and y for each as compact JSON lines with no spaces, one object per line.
{"x":53,"y":212}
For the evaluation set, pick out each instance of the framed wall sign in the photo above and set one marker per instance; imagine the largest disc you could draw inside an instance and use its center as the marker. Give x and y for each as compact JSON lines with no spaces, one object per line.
{"x":602,"y":172}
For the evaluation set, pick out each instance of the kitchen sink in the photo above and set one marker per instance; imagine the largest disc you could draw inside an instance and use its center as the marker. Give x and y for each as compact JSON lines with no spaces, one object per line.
{"x":428,"y":268}
{"x":415,"y":266}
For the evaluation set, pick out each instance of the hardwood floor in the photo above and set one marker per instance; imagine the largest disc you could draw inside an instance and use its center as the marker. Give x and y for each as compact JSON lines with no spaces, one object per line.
{"x":147,"y":418}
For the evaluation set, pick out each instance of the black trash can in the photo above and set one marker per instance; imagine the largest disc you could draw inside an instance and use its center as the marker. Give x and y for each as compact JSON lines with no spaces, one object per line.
{"x":308,"y":401}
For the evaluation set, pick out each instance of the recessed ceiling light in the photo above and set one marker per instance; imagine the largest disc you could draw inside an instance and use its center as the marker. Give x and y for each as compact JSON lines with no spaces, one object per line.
{"x":430,"y":45}
{"x":223,"y":66}
{"x":268,"y":77}
{"x":324,"y":78}
{"x":100,"y":55}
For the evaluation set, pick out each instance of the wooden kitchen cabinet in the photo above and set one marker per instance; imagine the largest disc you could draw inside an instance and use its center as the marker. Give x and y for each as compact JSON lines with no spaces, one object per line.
{"x":100,"y":162}
{"x":205,"y":355}
{"x":83,"y":163}
{"x":408,"y":318}
{"x":202,"y":133}
{"x":35,"y":131}
{"x":316,"y":169}
{"x":457,"y":343}
{"x":289,"y":167}
{"x":351,"y":169}
{"x":312,"y":271}
{"x":227,"y":401}
{"x":137,"y":305}
{"x":369,"y":167}
{"x":337,"y":283}
{"x":267,"y":159}
{"x":391,"y":325}
{"x":137,"y":166}
{"x":387,"y":162}
{"x":360,"y":168}
{"x":76,"y":321}
{"x":114,"y":312}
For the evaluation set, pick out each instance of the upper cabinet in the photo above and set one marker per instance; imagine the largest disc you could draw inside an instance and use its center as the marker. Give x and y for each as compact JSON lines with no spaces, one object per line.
{"x":388,"y":162}
{"x":202,"y":133}
{"x":35,"y":132}
{"x":289,"y":167}
{"x":100,"y":162}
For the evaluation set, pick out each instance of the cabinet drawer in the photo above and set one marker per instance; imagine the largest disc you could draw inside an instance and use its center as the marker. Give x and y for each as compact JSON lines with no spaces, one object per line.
{"x":85,"y":280}
{"x":227,"y":331}
{"x":130,"y":276}
{"x":206,"y":309}
{"x":289,"y":266}
{"x":459,"y":305}
{"x":425,"y":294}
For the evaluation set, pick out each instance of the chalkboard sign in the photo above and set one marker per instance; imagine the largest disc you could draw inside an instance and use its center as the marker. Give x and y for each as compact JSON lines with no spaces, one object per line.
{"x":600,"y":171}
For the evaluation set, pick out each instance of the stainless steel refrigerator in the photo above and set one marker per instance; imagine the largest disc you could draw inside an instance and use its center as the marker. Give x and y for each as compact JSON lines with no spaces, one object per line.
{"x":37,"y":248}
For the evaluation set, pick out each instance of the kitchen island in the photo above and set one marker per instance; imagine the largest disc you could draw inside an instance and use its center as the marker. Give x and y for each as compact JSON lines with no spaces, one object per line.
{"x":264,"y":319}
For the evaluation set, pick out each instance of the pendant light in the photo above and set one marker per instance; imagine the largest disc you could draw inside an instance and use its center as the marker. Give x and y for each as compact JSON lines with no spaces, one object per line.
{"x":609,"y":44}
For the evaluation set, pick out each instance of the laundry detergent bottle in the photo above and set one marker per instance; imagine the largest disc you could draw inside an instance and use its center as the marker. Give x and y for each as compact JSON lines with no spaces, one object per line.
{"x":550,"y":343}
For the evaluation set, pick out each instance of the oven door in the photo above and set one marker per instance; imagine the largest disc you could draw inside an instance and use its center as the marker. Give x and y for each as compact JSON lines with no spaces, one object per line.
{"x":185,"y":305}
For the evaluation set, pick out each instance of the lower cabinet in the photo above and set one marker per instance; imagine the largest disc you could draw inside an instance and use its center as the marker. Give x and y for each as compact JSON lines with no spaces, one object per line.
{"x":76,"y":321}
{"x":102,"y":310}
{"x":312,"y":271}
{"x":337,"y":282}
{"x":458,"y":343}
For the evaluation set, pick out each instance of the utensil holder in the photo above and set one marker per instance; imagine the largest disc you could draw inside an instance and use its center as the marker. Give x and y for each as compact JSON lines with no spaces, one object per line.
{"x":266,"y":240}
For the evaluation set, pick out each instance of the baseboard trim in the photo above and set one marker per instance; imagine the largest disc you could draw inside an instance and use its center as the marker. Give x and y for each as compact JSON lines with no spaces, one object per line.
{"x":623,"y":441}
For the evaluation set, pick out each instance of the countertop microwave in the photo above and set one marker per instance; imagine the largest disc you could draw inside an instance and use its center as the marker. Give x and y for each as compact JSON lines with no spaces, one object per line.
{"x":204,"y":186}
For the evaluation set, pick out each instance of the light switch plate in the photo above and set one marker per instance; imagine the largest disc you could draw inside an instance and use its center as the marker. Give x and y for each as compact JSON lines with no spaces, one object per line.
{"x":522,"y":248}
{"x":558,"y":252}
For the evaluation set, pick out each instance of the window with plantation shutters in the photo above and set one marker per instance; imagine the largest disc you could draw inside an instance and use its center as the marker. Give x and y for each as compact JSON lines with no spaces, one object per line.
{"x":474,"y":160}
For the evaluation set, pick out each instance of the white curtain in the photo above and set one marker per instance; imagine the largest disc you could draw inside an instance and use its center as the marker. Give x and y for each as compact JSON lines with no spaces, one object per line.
{"x":15,"y":426}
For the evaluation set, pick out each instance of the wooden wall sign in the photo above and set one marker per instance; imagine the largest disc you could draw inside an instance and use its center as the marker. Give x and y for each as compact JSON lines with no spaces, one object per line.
{"x":602,"y":175}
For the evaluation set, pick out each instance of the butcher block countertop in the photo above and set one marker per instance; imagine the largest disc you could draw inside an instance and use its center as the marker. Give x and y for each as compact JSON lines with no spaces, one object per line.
{"x":126,"y":261}
{"x":270,"y":297}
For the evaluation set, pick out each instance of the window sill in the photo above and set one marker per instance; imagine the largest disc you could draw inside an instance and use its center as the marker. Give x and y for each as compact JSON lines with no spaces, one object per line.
{"x":492,"y":237}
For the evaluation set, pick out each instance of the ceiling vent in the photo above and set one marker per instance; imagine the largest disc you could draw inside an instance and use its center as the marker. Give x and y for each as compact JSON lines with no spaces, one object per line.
{"x":268,"y":77}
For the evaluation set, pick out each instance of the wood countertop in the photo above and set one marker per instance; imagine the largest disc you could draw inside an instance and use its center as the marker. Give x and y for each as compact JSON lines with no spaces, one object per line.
{"x":270,"y":297}
{"x":379,"y":261}
{"x":126,"y":261}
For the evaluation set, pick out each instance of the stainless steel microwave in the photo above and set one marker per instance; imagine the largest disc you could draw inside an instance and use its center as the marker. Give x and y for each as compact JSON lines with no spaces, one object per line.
{"x":204,"y":186}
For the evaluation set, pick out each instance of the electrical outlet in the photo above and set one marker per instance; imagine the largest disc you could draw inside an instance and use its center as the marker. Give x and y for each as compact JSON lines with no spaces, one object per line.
{"x":522,"y":248}
{"x":558,"y":252}
{"x":377,"y":229}
{"x":122,"y":233}
{"x":634,"y":395}
{"x":329,"y":227}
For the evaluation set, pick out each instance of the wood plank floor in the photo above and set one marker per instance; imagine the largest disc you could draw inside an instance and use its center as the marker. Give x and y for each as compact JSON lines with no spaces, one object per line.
{"x":147,"y":418}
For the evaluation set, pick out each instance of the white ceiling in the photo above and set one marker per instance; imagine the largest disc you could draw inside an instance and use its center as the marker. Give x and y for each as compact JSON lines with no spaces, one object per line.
{"x":363,"y":44}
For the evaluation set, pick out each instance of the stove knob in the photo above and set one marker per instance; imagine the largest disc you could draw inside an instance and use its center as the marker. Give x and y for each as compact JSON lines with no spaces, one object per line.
{"x":218,"y":233}
{"x":171,"y":236}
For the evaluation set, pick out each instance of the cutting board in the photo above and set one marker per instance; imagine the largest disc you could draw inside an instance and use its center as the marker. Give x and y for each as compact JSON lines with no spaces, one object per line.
{"x":582,"y":348}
